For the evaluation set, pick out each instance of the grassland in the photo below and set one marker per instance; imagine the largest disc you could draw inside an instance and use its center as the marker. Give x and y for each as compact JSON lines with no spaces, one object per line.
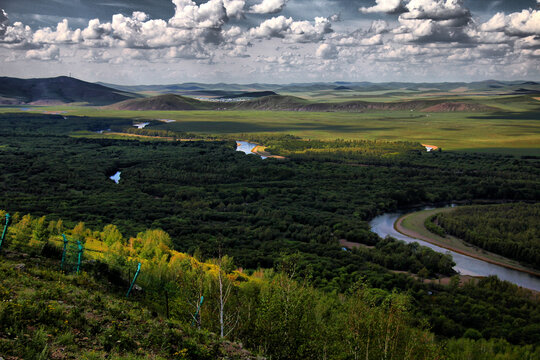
{"x":514,"y":130}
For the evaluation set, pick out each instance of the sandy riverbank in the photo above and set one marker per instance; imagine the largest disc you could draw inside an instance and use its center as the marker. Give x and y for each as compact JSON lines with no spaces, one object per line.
{"x":261,"y":151}
{"x":398,"y":225}
{"x":431,"y":147}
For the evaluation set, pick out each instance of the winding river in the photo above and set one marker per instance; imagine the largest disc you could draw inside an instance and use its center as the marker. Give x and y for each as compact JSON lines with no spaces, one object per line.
{"x":383,"y":226}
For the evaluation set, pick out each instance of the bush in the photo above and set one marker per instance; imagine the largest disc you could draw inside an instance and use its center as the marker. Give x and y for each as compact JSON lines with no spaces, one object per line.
{"x":472,"y":334}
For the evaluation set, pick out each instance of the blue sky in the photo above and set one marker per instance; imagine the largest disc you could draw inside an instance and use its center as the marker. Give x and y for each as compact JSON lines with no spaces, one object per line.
{"x":278,"y":41}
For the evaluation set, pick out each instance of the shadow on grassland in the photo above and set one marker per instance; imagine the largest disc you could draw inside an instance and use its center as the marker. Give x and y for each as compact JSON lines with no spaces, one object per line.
{"x":510,"y":115}
{"x":533,"y":153}
{"x":246,"y":127}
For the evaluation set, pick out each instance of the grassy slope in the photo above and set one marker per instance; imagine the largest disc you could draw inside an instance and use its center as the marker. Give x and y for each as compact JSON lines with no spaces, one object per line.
{"x":163,"y":102}
{"x":45,"y":314}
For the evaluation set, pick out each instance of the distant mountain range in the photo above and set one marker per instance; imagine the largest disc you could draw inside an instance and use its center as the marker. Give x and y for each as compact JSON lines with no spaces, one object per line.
{"x":222,"y":89}
{"x":192,"y":96}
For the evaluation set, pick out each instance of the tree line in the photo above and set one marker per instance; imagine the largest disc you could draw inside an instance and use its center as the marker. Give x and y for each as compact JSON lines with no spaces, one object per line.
{"x":511,"y":230}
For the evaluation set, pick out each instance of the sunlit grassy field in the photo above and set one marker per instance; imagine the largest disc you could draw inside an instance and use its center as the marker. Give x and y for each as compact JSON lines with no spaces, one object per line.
{"x":514,"y":130}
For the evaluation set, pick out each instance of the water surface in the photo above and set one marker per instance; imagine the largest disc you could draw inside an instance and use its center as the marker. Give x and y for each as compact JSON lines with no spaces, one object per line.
{"x":383,"y":226}
{"x":115,"y":177}
{"x":247,"y":147}
{"x":141,"y":125}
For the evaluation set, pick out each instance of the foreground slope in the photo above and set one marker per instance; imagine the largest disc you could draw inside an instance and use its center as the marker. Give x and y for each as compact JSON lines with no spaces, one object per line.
{"x":47,"y":314}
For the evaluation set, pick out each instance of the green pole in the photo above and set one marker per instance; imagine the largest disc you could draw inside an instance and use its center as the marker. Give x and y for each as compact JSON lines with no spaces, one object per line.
{"x":80,"y":255}
{"x":134,"y":278}
{"x":64,"y":252}
{"x":5,"y":231}
{"x":197,"y":312}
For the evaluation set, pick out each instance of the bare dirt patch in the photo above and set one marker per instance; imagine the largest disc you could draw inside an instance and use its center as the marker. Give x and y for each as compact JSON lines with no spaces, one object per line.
{"x":261,"y":151}
{"x":445,"y":280}
{"x":351,"y":245}
{"x":433,"y":147}
{"x":457,"y":106}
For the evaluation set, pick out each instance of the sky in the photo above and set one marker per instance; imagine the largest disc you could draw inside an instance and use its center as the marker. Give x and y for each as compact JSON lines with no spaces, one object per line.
{"x":270,"y":41}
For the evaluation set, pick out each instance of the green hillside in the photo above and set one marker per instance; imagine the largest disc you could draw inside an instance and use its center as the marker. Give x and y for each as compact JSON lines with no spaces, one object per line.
{"x":163,"y":102}
{"x":49,"y":314}
{"x":61,"y":89}
{"x":46,"y":313}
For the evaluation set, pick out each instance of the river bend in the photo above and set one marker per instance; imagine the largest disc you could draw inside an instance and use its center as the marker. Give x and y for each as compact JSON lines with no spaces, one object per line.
{"x":383,"y":226}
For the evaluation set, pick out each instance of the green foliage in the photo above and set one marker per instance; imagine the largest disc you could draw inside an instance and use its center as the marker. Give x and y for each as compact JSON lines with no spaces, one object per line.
{"x":434,"y":228}
{"x":494,"y":349}
{"x":341,"y":150}
{"x":111,"y":235}
{"x":472,"y":334}
{"x":277,"y":315}
{"x":511,"y":230}
{"x":46,"y":312}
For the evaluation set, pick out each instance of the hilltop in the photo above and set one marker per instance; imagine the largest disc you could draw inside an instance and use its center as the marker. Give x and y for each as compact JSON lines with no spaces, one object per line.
{"x":58,"y":90}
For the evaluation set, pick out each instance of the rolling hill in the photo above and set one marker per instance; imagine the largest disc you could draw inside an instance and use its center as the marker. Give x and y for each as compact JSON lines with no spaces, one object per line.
{"x":58,"y":90}
{"x":171,"y":102}
{"x":164,"y":102}
{"x":221,"y":89}
{"x":292,"y":103}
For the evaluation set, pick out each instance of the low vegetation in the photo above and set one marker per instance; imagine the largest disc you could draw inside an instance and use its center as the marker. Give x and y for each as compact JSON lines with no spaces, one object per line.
{"x":47,"y":314}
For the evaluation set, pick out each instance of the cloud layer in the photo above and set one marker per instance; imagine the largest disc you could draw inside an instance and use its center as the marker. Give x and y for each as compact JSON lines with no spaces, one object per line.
{"x":410,"y":37}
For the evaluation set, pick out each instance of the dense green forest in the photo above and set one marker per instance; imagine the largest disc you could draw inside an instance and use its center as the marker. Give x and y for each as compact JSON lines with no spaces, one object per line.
{"x":47,"y":314}
{"x":208,"y":196}
{"x":512,"y":230}
{"x":341,"y":150}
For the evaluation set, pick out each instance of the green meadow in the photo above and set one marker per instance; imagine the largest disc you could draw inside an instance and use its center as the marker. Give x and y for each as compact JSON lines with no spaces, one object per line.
{"x":515,"y":129}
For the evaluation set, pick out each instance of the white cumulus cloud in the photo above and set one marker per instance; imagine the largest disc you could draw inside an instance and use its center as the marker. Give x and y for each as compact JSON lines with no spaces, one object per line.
{"x":326,"y":51}
{"x":268,"y":7}
{"x":188,"y":14}
{"x":436,"y":10}
{"x":292,"y":31}
{"x":51,"y":52}
{"x":385,"y":6}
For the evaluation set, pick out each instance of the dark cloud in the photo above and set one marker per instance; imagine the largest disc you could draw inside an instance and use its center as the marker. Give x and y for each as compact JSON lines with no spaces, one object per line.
{"x":47,"y":12}
{"x":3,"y":22}
{"x":492,"y":6}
